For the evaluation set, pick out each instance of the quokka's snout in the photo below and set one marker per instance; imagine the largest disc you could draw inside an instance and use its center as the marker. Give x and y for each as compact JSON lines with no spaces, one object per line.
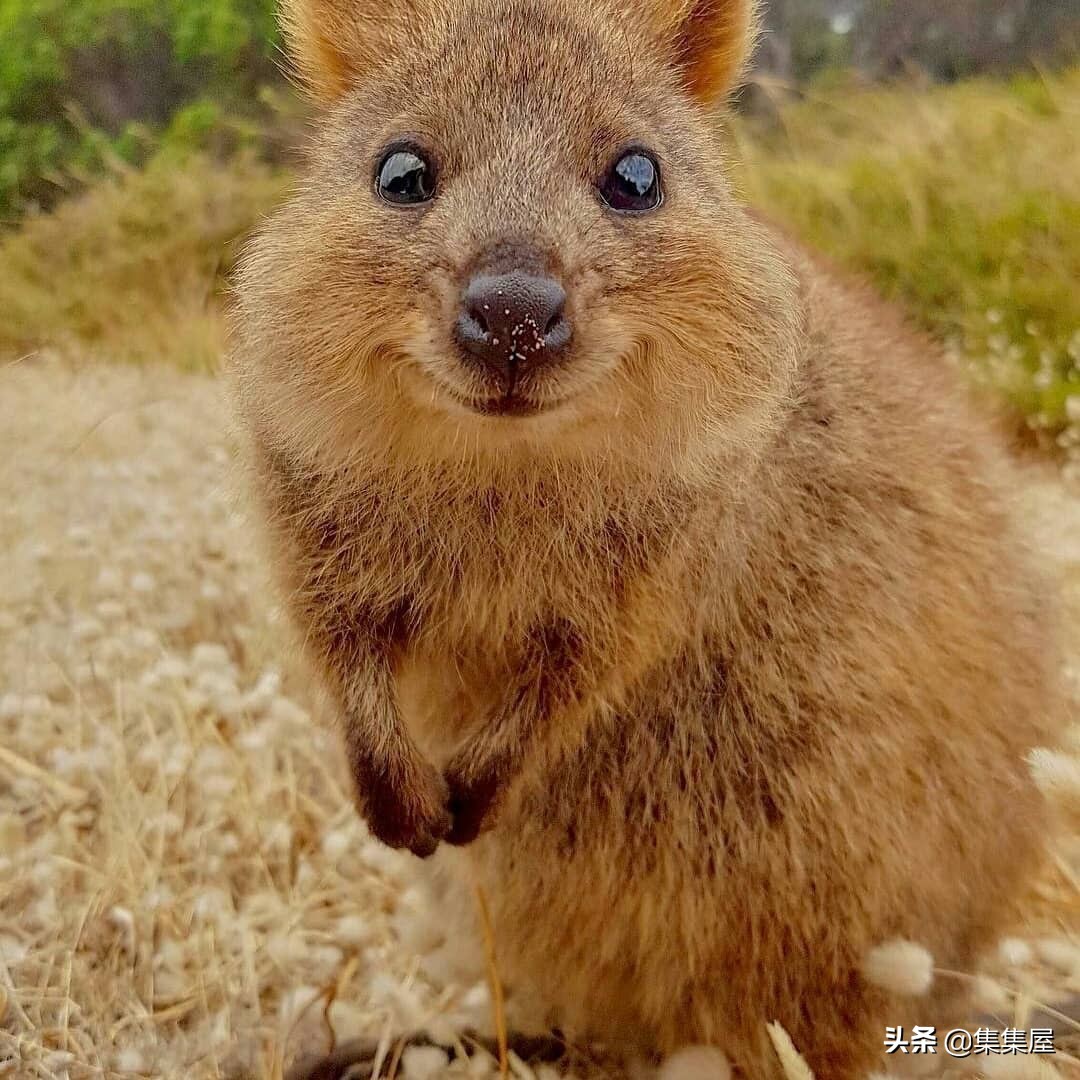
{"x":512,"y":324}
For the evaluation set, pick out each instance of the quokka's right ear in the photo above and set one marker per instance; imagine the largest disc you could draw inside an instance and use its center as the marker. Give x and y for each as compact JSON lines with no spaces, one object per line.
{"x":333,"y":42}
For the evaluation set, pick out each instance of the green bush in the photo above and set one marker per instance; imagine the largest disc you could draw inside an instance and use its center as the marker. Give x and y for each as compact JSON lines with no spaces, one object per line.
{"x":83,"y":82}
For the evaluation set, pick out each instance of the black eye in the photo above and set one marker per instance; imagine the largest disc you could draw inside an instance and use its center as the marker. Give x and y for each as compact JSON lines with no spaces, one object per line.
{"x":405,"y":178}
{"x":633,"y":184}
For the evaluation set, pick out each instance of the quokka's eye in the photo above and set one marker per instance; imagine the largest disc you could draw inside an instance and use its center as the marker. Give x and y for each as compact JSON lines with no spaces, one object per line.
{"x":405,"y":177}
{"x":632,"y":186}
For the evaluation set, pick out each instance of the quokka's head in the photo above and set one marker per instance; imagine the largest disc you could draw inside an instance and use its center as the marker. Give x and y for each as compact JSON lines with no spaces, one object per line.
{"x":516,"y":233}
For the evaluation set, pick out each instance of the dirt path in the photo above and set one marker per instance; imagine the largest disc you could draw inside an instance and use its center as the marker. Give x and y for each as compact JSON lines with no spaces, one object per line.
{"x":184,"y":890}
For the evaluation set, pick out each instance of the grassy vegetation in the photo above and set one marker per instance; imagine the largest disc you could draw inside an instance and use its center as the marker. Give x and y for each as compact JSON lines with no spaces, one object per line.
{"x":134,"y":269}
{"x":961,"y":202}
{"x":83,"y":82}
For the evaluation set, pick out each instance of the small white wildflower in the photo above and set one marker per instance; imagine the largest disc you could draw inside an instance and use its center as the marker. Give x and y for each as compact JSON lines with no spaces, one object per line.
{"x":214,"y":682}
{"x":210,"y":655}
{"x":1060,"y":954}
{"x":144,"y":639}
{"x":306,"y":875}
{"x":159,"y":897}
{"x":901,"y":967}
{"x":424,"y":1062}
{"x":403,"y":1000}
{"x":297,"y":1002}
{"x":475,"y":1009}
{"x":12,"y":951}
{"x":990,"y":996}
{"x":213,"y":906}
{"x":87,"y":629}
{"x":93,"y":761}
{"x":1072,"y":408}
{"x":255,"y":738}
{"x":36,"y":705}
{"x":167,"y":669}
{"x":443,"y":1030}
{"x":347,"y":1018}
{"x":212,"y":759}
{"x":57,"y":1062}
{"x":210,"y":592}
{"x":278,"y":837}
{"x":110,"y":610}
{"x":336,"y":843}
{"x":417,"y":930}
{"x":44,"y":914}
{"x":122,"y":920}
{"x":142,"y":582}
{"x":1055,"y":773}
{"x":262,"y":694}
{"x":286,"y":712}
{"x":130,"y":1060}
{"x":228,"y":843}
{"x":481,"y":1064}
{"x":323,"y":961}
{"x":385,"y":861}
{"x":286,"y":950}
{"x":218,"y":786}
{"x":696,"y":1063}
{"x":1015,"y":952}
{"x":352,"y":930}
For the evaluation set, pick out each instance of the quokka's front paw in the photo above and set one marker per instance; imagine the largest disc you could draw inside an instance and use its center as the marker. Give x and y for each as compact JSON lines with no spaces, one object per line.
{"x":474,"y":798}
{"x":406,"y":808}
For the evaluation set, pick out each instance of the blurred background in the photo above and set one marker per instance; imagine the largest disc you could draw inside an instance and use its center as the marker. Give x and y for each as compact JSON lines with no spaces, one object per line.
{"x":929,"y":146}
{"x":185,"y":888}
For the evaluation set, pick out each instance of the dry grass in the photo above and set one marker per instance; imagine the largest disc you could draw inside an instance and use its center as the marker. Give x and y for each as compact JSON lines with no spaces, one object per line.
{"x":133,"y":269}
{"x":184,"y":888}
{"x":962,"y":203}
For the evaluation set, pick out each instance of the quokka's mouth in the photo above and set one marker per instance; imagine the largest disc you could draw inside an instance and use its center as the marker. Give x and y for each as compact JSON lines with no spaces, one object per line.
{"x":512,"y":406}
{"x":508,"y":406}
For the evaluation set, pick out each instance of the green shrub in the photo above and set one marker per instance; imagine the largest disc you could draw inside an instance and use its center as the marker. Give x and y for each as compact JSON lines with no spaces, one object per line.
{"x":84,"y":82}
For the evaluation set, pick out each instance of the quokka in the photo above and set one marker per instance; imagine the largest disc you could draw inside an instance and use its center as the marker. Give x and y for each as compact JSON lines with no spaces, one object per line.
{"x":672,"y":576}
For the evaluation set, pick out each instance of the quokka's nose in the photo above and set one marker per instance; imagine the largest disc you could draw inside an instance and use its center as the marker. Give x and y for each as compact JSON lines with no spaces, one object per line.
{"x":513,"y":322}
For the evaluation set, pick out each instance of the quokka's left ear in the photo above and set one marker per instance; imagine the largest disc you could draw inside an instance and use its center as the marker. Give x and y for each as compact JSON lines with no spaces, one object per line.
{"x":710,"y":41}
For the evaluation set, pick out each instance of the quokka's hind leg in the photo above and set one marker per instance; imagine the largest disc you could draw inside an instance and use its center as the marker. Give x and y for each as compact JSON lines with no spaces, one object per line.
{"x":355,"y":1060}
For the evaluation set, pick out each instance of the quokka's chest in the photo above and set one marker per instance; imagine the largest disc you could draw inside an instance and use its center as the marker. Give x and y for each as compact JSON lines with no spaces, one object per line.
{"x":443,"y":695}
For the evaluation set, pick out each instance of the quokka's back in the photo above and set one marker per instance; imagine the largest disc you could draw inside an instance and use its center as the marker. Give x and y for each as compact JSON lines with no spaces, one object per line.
{"x":670,"y":575}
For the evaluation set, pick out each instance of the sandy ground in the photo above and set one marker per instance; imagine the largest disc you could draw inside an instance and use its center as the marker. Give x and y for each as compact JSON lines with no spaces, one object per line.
{"x":184,"y":889}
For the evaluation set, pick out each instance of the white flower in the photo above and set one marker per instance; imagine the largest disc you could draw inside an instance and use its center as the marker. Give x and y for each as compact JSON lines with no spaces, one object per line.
{"x":696,"y":1063}
{"x":901,"y":967}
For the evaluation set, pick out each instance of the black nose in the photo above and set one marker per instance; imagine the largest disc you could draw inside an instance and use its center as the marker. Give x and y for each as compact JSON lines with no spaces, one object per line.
{"x":513,"y":322}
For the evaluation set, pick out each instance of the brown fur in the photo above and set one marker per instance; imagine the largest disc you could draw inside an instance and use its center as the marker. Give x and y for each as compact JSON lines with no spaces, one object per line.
{"x":732,"y":655}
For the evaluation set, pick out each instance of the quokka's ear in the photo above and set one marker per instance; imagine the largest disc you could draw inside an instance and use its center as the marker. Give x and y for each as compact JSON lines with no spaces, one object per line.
{"x":333,"y":42}
{"x":710,"y":41}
